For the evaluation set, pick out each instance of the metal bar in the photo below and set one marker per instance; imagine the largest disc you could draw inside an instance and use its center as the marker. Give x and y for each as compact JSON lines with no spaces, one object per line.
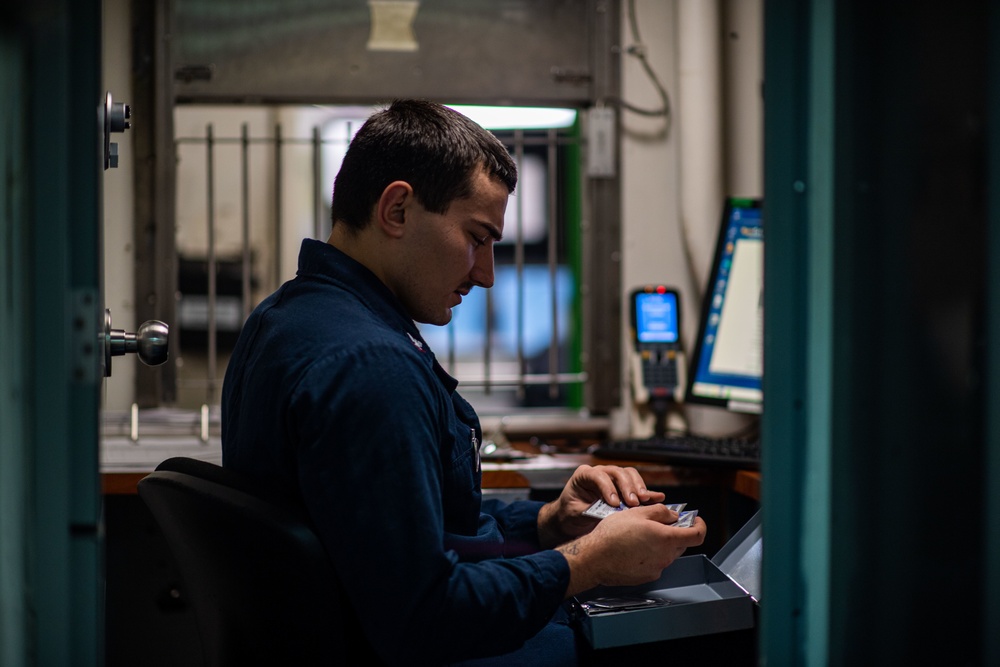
{"x":519,"y":261}
{"x":203,"y":432}
{"x":155,"y":164}
{"x":134,"y":423}
{"x":552,"y":169}
{"x":317,"y":166}
{"x":488,"y":347}
{"x":210,"y":221}
{"x":528,"y":140}
{"x":515,"y":379}
{"x":451,"y":348}
{"x":602,"y":287}
{"x":277,"y":204}
{"x":304,"y":141}
{"x":571,"y":179}
{"x":247,"y":304}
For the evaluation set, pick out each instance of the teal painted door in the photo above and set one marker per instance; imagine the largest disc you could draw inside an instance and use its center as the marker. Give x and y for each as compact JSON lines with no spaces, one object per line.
{"x":50,"y":318}
{"x":879,"y":427}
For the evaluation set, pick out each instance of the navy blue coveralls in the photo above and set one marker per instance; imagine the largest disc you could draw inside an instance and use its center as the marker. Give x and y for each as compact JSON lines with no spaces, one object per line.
{"x":332,"y":394}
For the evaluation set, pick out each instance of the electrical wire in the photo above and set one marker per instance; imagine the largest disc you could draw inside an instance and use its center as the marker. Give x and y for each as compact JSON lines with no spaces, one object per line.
{"x":638,"y":50}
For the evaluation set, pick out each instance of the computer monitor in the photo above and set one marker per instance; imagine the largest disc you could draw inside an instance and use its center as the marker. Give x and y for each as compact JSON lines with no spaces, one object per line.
{"x":726,"y":366}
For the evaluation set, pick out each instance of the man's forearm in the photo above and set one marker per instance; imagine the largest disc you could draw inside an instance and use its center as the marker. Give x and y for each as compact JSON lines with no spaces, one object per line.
{"x":549,"y":534}
{"x":584,"y":571}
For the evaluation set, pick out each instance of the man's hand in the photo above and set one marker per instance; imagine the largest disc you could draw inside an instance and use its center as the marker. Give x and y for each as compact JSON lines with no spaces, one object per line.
{"x":563,"y":518}
{"x":628,"y":548}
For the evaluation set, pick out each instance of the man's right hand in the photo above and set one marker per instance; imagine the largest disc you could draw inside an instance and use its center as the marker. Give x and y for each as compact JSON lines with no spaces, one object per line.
{"x":628,"y":548}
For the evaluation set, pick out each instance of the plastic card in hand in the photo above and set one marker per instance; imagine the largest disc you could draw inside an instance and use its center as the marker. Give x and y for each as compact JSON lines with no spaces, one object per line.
{"x":601,"y":509}
{"x":686,"y":519}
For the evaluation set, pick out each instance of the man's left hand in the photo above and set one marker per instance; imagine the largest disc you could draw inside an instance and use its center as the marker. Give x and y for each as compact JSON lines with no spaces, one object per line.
{"x":563,"y":518}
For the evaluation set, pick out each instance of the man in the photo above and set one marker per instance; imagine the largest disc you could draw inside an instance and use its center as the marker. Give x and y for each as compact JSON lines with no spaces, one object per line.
{"x":332,"y":394}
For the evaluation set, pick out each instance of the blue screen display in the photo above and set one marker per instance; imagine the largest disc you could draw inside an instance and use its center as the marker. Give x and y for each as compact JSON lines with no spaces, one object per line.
{"x":656,"y":317}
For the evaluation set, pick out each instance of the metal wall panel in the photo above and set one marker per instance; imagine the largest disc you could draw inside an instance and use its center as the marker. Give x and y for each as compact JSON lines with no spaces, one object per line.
{"x":316,"y":51}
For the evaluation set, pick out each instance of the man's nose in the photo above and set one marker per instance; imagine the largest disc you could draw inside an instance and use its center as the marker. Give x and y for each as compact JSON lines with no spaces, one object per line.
{"x":482,"y":270}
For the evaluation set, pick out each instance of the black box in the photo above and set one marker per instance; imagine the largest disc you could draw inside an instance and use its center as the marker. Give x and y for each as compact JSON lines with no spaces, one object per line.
{"x":694,"y":596}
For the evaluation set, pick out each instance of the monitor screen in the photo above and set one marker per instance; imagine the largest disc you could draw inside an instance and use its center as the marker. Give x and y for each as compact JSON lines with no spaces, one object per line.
{"x":726,"y":366}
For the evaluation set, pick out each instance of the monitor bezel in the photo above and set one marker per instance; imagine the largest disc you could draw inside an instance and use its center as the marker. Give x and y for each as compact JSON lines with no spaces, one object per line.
{"x":741,"y":406}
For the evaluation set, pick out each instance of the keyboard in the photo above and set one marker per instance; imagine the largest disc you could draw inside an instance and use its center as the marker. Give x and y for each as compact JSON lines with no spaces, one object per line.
{"x":691,"y":450}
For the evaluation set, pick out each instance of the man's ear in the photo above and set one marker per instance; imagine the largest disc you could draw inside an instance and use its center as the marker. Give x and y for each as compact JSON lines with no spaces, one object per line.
{"x":390,"y":211}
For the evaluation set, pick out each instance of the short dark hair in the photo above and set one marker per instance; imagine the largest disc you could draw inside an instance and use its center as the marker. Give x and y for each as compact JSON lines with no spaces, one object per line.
{"x":435,"y":149}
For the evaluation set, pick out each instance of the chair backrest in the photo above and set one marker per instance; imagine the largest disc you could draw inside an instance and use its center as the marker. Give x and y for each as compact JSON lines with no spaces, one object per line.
{"x":263,"y":589}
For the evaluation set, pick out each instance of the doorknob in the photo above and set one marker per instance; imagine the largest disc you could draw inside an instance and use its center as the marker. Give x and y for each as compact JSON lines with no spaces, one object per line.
{"x":149,"y":342}
{"x":116,"y":119}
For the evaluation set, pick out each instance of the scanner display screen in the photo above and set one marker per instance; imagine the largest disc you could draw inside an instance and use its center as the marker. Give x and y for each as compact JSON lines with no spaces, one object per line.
{"x":656,"y":317}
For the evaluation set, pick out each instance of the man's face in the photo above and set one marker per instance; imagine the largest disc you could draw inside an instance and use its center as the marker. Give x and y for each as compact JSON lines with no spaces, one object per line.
{"x":449,"y":254}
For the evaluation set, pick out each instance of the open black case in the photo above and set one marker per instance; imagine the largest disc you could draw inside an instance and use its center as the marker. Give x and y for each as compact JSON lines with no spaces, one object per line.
{"x":694,"y":596}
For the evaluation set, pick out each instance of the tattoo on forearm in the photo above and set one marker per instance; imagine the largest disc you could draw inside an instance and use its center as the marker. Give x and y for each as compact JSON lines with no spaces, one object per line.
{"x":572,"y":548}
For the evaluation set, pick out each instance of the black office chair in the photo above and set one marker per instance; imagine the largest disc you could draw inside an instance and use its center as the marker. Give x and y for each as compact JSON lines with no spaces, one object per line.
{"x":261,"y":584}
